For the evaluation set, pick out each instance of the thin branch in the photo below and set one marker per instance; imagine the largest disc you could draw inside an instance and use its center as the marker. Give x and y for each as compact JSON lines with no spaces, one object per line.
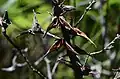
{"x":117,"y":73}
{"x":51,"y":35}
{"x":14,"y":65}
{"x":41,"y":31}
{"x":49,"y":73}
{"x":56,"y":63}
{"x":86,"y":60}
{"x":54,"y":68}
{"x":85,"y":12}
{"x":36,"y":28}
{"x":22,"y":54}
{"x":107,"y":47}
{"x":48,"y":68}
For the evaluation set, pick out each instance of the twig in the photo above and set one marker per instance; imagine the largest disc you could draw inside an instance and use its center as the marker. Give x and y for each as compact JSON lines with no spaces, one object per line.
{"x":14,"y":65}
{"x":41,"y":31}
{"x":49,"y":73}
{"x":48,"y":68}
{"x":86,"y":60}
{"x":36,"y":28}
{"x":22,"y":54}
{"x":117,"y":73}
{"x":72,"y":56}
{"x":54,"y":68}
{"x":107,"y":47}
{"x":56,"y":64}
{"x":86,"y":10}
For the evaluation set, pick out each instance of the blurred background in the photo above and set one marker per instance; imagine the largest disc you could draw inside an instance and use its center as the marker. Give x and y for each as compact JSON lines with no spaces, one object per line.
{"x":101,"y":24}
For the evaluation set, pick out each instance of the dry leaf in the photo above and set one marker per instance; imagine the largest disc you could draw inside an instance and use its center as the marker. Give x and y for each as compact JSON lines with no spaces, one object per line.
{"x":53,"y":24}
{"x":78,"y":32}
{"x":56,"y":45}
{"x":65,"y":23}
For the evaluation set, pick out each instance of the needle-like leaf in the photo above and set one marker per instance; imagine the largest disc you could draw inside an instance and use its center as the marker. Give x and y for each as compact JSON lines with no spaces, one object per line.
{"x":56,"y":45}
{"x":80,"y":51}
{"x":64,"y":22}
{"x":53,"y":24}
{"x":78,"y":32}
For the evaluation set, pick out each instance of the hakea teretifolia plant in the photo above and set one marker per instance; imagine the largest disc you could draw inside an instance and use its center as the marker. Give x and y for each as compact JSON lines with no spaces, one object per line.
{"x":58,"y":20}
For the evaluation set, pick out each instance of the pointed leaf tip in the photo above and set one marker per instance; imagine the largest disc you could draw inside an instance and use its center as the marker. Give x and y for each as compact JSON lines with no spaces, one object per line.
{"x":53,"y":24}
{"x":80,"y":33}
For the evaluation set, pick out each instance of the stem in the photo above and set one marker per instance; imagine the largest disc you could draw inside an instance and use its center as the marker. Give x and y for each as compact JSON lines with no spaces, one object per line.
{"x":72,"y":56}
{"x":85,"y":12}
{"x":23,"y":55}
